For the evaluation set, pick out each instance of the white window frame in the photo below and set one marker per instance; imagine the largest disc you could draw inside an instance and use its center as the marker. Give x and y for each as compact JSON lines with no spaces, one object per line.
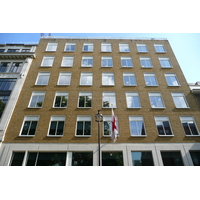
{"x":142,"y":45}
{"x":147,"y":59}
{"x":88,"y":75}
{"x":67,"y":61}
{"x":134,"y":118}
{"x":52,"y":46}
{"x":85,"y":94}
{"x":29,"y":118}
{"x":156,"y":94}
{"x":84,"y":118}
{"x":67,"y":74}
{"x":161,"y":119}
{"x":165,"y":59}
{"x":41,"y":75}
{"x":108,"y":118}
{"x":107,"y":46}
{"x":107,"y":79}
{"x":124,"y":47}
{"x":160,"y":45}
{"x":150,"y":75}
{"x":129,"y":99}
{"x":70,"y":47}
{"x":57,"y":118}
{"x":106,"y":58}
{"x":126,"y":58}
{"x":62,"y":94}
{"x":86,"y":58}
{"x":129,"y":75}
{"x":50,"y":62}
{"x":188,"y":119}
{"x":175,"y":77}
{"x":37,"y":93}
{"x":182,"y":96}
{"x":90,"y":45}
{"x":109,"y":95}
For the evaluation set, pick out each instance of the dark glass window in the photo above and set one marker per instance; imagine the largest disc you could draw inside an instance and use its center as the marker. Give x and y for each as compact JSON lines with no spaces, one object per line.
{"x":13,"y":50}
{"x":172,"y":158}
{"x":82,"y":158}
{"x":83,"y":128}
{"x":4,"y":66}
{"x":56,"y":128}
{"x":17,"y":158}
{"x":85,"y":101}
{"x":46,"y":159}
{"x":7,"y":83}
{"x":112,"y":159}
{"x":195,"y":157}
{"x":143,"y":158}
{"x":60,"y":101}
{"x":29,"y":128}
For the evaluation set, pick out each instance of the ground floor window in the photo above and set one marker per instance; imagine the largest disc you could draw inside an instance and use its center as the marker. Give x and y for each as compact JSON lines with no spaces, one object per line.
{"x":112,"y":159}
{"x":82,"y":158}
{"x":195,"y":157}
{"x":172,"y":158}
{"x":17,"y":158}
{"x":46,"y":159}
{"x":142,"y":158}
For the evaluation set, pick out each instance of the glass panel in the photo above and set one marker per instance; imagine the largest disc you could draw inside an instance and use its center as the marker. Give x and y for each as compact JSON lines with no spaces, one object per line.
{"x":107,"y":128}
{"x":33,"y":128}
{"x":172,"y":158}
{"x":26,"y":128}
{"x":160,"y":128}
{"x":60,"y":128}
{"x":195,"y":155}
{"x":17,"y":158}
{"x":87,"y":128}
{"x":112,"y":159}
{"x":79,"y":130}
{"x":82,"y":158}
{"x":57,"y":101}
{"x":193,"y":128}
{"x":51,"y":159}
{"x":32,"y":156}
{"x":186,"y":128}
{"x":53,"y":126}
{"x":167,"y":128}
{"x":142,"y":158}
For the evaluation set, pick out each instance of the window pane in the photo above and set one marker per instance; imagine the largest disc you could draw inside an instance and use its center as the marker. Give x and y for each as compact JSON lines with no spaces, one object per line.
{"x":193,"y":128}
{"x":53,"y":126}
{"x":79,"y":130}
{"x":107,"y":128}
{"x":112,"y":159}
{"x":172,"y":158}
{"x":195,"y":155}
{"x":82,"y":158}
{"x":87,"y":130}
{"x":51,"y":159}
{"x":142,"y":158}
{"x":60,"y":128}
{"x":17,"y":158}
{"x":31,"y":159}
{"x":26,"y":128}
{"x":33,"y":128}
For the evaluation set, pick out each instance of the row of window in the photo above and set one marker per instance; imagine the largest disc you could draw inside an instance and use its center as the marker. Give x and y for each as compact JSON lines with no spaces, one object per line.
{"x":13,"y":50}
{"x":139,"y":158}
{"x":10,"y":67}
{"x":106,"y":61}
{"x":86,"y":78}
{"x":84,"y":126}
{"x":106,"y":47}
{"x":108,"y":100}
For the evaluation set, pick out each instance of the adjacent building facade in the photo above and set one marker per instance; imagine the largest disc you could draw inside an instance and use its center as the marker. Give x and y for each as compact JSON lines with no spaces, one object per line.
{"x":15,"y":61}
{"x":53,"y":123}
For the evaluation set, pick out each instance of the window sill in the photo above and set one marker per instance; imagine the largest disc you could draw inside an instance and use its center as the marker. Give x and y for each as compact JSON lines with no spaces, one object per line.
{"x":161,"y":52}
{"x":59,"y":107}
{"x":46,"y":66}
{"x":34,"y":107}
{"x":166,"y":135}
{"x":135,"y":108}
{"x":66,"y":66}
{"x":138,"y":135}
{"x":84,"y":136}
{"x":54,"y":135}
{"x":192,"y":135}
{"x":143,"y":52}
{"x":183,"y":108}
{"x":162,"y":108}
{"x":108,"y":107}
{"x":26,"y":135}
{"x":109,"y":85}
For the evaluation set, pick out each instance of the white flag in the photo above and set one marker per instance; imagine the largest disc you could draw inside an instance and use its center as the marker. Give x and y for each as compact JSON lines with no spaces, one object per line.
{"x":114,"y":127}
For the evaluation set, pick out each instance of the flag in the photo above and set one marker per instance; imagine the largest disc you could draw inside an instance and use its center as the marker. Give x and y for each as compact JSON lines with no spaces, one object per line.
{"x":114,"y":131}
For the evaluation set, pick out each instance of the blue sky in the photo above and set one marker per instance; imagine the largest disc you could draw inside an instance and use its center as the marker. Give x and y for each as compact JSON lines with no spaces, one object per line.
{"x":186,"y":46}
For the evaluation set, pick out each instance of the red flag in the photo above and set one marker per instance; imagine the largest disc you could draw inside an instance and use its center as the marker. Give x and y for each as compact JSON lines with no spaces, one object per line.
{"x":114,"y":127}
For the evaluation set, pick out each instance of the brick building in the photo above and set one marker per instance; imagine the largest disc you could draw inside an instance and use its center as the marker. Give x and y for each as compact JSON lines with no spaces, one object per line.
{"x":70,"y":79}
